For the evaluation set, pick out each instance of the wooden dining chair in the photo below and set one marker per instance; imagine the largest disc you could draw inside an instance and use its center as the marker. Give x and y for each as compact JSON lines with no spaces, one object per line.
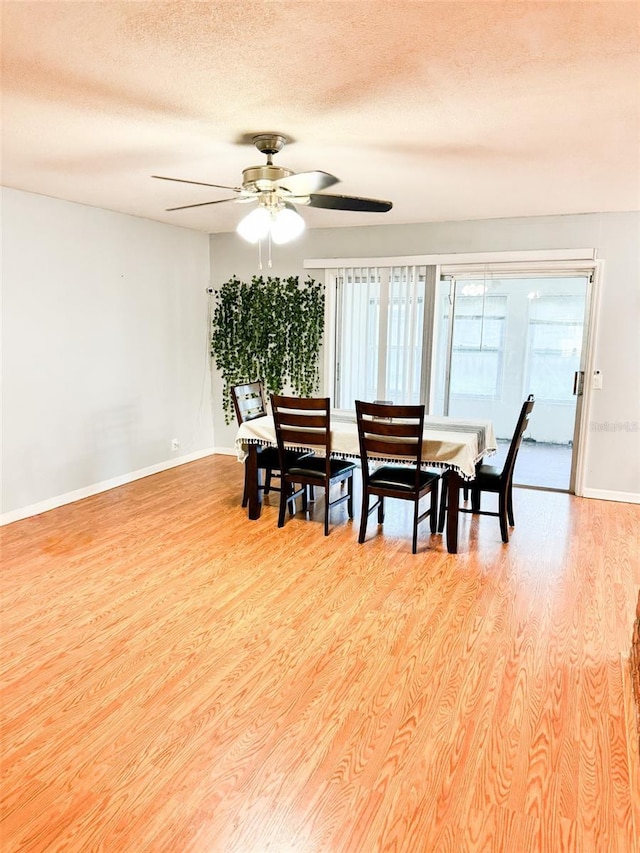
{"x":490,"y":478}
{"x":306,"y":421}
{"x":385,"y":430}
{"x":249,"y":404}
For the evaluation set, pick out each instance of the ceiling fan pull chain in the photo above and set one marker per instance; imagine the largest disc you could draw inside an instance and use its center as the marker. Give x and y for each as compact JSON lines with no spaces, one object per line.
{"x":269,"y":239}
{"x":259,"y":254}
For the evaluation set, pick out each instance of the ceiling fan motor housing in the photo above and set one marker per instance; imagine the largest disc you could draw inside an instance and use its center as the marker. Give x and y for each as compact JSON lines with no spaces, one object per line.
{"x":262,"y":177}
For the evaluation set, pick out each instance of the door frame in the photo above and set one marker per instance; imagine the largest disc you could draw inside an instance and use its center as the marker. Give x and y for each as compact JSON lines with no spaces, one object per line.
{"x":592,"y":309}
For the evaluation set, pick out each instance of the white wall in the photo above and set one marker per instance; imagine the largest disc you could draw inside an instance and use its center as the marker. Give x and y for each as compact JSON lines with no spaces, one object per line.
{"x":613,"y":441}
{"x":104,"y":345}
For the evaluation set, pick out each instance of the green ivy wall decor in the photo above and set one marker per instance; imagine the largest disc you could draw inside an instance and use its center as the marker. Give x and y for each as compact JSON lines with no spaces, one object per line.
{"x":270,"y":329}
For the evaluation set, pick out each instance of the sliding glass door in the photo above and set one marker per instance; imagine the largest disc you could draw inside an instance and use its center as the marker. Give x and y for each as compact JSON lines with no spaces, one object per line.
{"x":499,"y":339}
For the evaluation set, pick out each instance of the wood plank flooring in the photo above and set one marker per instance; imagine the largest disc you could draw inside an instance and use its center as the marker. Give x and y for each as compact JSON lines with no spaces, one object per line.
{"x":178,"y":679}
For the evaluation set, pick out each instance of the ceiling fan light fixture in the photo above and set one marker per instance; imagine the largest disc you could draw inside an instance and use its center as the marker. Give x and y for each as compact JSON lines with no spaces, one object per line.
{"x":281,"y":224}
{"x":255,"y":225}
{"x":286,"y":225}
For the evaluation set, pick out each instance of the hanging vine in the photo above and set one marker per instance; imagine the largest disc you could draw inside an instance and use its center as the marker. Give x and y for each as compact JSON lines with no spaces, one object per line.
{"x":270,"y":329}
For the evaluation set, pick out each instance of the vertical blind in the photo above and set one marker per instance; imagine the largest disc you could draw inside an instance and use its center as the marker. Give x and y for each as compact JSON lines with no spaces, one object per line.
{"x":379,"y":334}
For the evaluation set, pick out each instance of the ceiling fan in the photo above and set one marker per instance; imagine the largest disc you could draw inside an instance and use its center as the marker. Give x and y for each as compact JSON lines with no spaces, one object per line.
{"x":277,"y":190}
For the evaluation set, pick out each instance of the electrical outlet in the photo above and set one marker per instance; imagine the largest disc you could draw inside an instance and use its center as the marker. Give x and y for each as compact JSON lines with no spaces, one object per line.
{"x":175,"y":444}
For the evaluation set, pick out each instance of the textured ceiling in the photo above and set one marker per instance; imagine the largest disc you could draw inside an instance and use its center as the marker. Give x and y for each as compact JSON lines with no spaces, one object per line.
{"x":451,"y":110}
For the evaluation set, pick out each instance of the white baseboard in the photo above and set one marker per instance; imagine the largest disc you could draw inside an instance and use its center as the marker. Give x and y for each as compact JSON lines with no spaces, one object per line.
{"x":104,"y":486}
{"x":604,"y":495}
{"x":226,"y":451}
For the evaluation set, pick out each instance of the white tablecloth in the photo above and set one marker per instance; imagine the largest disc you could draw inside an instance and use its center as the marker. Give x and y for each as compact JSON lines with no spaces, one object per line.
{"x":447,"y":442}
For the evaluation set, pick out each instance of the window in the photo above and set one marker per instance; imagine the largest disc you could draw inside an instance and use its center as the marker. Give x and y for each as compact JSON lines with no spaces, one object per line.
{"x":379,"y":336}
{"x":478,"y":344}
{"x":554,"y":345}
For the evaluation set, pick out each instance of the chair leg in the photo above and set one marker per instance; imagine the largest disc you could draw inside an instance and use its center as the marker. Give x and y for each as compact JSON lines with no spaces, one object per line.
{"x":364,"y":515}
{"x":245,"y":490}
{"x":510,"y":505}
{"x":443,"y":505}
{"x":502,"y":511}
{"x":475,"y":498}
{"x":414,"y":541}
{"x":267,"y":481}
{"x":381,"y":510}
{"x":326,"y":510}
{"x":433,"y":515}
{"x":285,"y":491}
{"x":350,"y":498}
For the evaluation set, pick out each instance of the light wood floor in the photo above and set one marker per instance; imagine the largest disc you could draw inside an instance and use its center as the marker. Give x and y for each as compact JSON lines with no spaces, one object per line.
{"x":176,"y":678}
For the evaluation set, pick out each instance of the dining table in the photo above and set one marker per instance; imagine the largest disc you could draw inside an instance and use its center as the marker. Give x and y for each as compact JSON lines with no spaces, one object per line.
{"x":448,"y":443}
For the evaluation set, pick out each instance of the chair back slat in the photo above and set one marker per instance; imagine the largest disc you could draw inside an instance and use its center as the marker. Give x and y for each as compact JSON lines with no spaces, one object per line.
{"x":390,"y":429}
{"x":302,"y":403}
{"x":386,"y":447}
{"x":248,"y":401}
{"x":305,"y":420}
{"x":303,"y":437}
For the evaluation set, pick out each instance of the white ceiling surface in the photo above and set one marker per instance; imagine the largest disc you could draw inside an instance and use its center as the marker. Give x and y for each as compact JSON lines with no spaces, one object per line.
{"x":451,"y":110}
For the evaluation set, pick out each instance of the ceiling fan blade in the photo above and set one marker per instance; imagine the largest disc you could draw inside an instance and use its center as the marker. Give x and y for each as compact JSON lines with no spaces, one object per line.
{"x":201,"y":204}
{"x":197,"y":183}
{"x":305,"y":183}
{"x":350,"y":202}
